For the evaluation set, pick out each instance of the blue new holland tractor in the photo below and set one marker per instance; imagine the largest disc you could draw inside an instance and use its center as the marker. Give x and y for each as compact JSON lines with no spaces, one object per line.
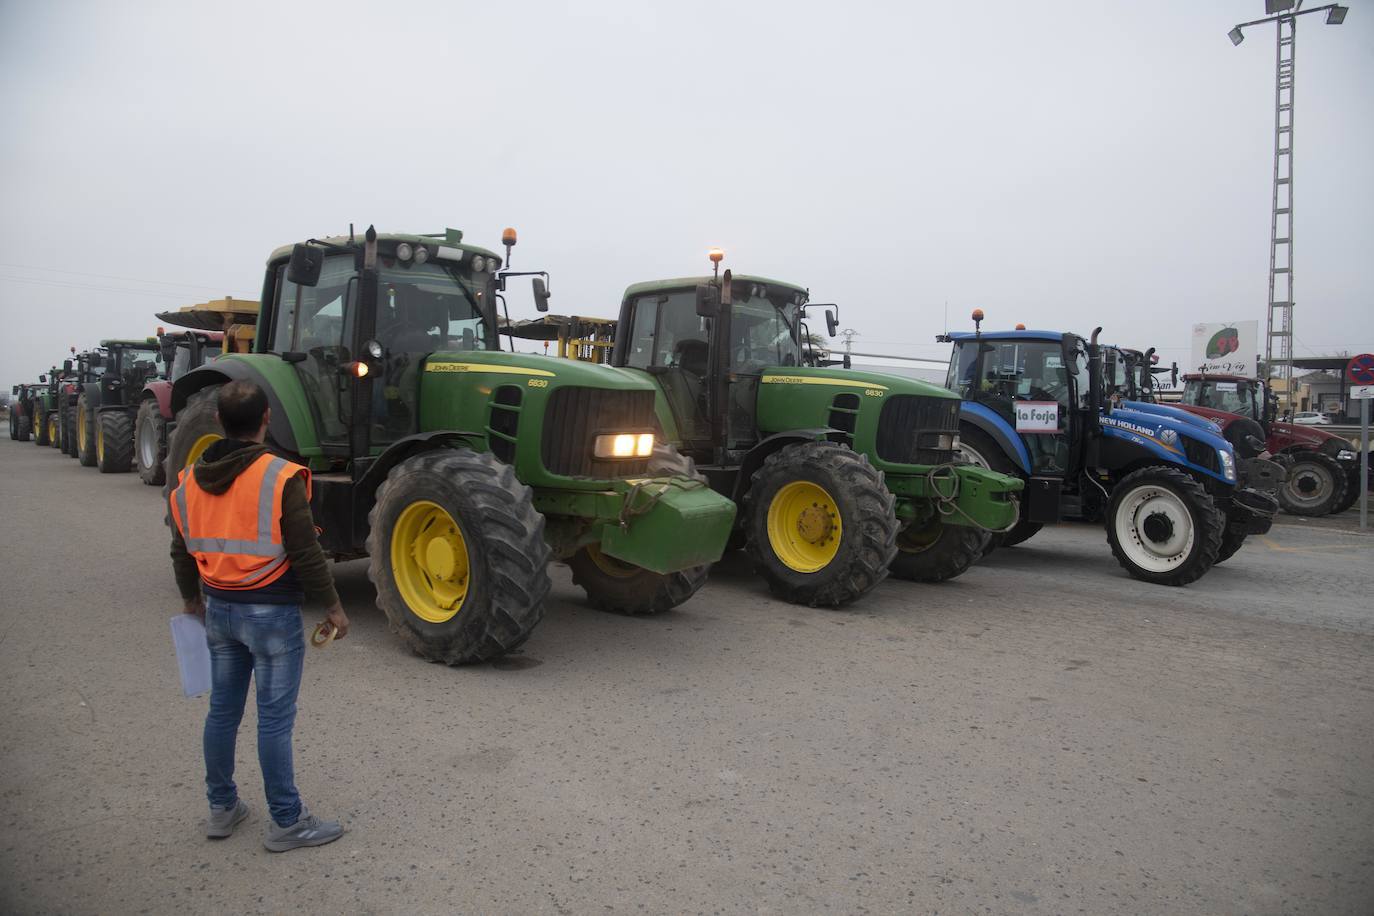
{"x":1171,"y":490}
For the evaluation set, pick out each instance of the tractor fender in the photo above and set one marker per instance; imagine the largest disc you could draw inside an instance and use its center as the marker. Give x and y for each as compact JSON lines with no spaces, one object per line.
{"x":278,"y":428}
{"x":987,"y":421}
{"x":402,"y":449}
{"x":160,"y":391}
{"x":757,"y":455}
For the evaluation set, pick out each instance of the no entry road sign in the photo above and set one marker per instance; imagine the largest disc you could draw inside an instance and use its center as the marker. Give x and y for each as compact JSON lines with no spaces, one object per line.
{"x":1360,"y":370}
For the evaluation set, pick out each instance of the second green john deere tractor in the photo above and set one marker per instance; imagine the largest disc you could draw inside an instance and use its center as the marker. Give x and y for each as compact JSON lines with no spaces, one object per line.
{"x":841,"y":476}
{"x":459,"y":469}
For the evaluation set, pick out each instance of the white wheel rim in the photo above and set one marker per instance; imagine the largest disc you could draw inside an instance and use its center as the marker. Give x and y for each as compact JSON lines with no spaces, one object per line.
{"x":147,"y":445}
{"x":1154,"y":528}
{"x":1319,"y":478}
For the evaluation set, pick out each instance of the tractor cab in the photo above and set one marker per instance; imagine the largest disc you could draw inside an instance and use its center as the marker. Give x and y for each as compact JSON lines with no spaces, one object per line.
{"x":1033,"y":382}
{"x":1141,"y":369}
{"x":129,"y":365}
{"x":710,"y":343}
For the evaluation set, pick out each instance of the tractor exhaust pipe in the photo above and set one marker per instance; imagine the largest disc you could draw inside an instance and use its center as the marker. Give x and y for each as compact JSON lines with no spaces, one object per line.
{"x":1094,"y":382}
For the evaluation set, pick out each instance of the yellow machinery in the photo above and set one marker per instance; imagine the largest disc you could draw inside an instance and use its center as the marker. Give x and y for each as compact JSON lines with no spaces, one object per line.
{"x":587,"y":339}
{"x":237,"y":318}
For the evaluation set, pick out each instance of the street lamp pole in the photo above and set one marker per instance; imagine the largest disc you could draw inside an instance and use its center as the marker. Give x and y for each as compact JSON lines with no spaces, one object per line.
{"x":1278,"y":345}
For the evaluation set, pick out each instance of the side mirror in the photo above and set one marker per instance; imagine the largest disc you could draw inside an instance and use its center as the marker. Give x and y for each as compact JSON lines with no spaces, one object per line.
{"x":43,"y":379}
{"x":541,"y":294}
{"x":832,"y":322}
{"x":1174,"y":376}
{"x":708,"y":301}
{"x":66,"y":365}
{"x":306,"y":264}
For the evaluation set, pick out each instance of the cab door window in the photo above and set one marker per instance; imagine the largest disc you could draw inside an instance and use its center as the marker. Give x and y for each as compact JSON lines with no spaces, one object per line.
{"x":316,"y":321}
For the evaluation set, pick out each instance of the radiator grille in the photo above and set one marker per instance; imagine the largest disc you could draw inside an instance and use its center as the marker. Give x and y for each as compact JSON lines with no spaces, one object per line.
{"x":907,"y":424}
{"x":1201,"y":454}
{"x":576,"y":416}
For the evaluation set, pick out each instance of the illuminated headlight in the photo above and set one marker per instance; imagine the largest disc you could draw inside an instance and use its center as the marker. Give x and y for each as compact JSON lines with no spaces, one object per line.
{"x":1345,"y":454}
{"x":404,"y":251}
{"x":1228,"y":463}
{"x":479,"y":263}
{"x":624,"y":445}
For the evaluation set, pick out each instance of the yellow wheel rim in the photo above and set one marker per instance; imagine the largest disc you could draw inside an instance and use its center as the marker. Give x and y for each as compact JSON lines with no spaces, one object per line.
{"x":81,"y":429}
{"x":200,"y":445}
{"x":429,"y":561}
{"x":52,"y":428}
{"x":100,"y":443}
{"x":804,"y":527}
{"x":610,"y":565}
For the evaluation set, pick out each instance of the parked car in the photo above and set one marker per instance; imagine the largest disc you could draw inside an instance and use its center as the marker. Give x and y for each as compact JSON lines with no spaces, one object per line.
{"x":1311,"y":418}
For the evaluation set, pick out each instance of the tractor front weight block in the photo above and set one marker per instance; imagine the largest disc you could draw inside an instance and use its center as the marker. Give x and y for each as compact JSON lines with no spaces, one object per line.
{"x":642,"y":522}
{"x":983,"y":497}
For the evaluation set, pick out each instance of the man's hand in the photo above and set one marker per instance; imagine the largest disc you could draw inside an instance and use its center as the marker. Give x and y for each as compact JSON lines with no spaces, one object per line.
{"x":195,"y":606}
{"x":336,"y":617}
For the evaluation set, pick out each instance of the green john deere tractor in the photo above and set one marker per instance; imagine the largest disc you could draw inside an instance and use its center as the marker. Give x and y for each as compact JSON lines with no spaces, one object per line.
{"x":45,"y":409}
{"x":841,"y":476}
{"x":459,"y":469}
{"x":107,"y":406}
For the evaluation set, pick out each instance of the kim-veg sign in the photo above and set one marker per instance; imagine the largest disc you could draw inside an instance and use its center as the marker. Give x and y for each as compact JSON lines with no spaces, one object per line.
{"x":1037,"y":416}
{"x":1225,"y":348}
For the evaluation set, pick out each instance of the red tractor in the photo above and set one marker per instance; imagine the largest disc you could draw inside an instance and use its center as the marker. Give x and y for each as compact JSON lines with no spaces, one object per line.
{"x":182,"y":351}
{"x":1324,"y":475}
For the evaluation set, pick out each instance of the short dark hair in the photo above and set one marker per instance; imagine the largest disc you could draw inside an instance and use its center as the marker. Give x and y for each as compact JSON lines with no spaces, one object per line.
{"x":242,"y":405}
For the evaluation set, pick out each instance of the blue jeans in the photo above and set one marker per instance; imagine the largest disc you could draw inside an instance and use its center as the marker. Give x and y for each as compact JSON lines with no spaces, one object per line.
{"x":265,"y":642}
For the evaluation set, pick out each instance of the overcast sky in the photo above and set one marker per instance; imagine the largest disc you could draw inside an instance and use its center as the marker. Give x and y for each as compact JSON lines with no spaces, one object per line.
{"x":1060,"y":165}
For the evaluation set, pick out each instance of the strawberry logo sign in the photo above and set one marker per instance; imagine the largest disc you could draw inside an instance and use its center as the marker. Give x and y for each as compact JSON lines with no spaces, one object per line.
{"x":1223,"y":343}
{"x":1226,"y":347}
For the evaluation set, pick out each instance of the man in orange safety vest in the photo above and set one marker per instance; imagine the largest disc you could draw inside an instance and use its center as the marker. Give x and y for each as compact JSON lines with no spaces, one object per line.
{"x":246,"y":558}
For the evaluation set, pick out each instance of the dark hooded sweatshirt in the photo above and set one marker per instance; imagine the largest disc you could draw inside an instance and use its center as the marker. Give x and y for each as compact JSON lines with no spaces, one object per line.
{"x":307,"y":575}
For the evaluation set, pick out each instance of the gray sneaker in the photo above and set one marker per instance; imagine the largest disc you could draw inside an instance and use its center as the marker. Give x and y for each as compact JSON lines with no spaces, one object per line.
{"x":308,"y":830}
{"x":222,"y":821}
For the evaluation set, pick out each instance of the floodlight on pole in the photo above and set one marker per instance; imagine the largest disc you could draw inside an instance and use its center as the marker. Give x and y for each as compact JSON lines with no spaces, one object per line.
{"x":1279,"y":336}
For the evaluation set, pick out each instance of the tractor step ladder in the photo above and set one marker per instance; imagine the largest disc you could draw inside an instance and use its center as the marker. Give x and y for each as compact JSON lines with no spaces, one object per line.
{"x":1278,"y":347}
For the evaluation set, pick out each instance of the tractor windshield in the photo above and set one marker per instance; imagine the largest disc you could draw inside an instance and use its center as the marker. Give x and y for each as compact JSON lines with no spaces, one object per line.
{"x":763,"y":328}
{"x":437,"y":305}
{"x":1233,"y":396}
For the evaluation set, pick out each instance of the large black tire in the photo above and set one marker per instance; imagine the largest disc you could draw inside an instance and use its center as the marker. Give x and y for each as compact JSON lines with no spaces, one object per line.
{"x":40,"y":428}
{"x":69,"y":432}
{"x":624,"y":589}
{"x":859,"y":502}
{"x":502,"y":538}
{"x":199,"y":419}
{"x":979,"y":449}
{"x":1315,"y":485}
{"x":150,"y":444}
{"x":1163,"y":526}
{"x":114,"y":448}
{"x":85,"y":432}
{"x":23,"y":428}
{"x":937,"y":551}
{"x":54,"y":424}
{"x":1231,"y":540}
{"x":1354,"y":486}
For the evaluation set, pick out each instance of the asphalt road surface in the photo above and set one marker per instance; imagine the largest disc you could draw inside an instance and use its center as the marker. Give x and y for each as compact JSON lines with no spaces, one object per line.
{"x":1042,"y":735}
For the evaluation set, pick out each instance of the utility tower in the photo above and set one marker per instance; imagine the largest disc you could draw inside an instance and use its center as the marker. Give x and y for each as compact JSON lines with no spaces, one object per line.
{"x":849,"y":334}
{"x":1278,"y":344}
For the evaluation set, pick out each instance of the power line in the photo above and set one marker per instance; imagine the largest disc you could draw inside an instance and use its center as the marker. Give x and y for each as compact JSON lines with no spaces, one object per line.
{"x":104,"y":289}
{"x":77,"y":273}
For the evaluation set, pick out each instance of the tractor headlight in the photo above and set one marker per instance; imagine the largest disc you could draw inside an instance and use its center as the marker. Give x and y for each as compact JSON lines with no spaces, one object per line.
{"x":479,"y":263}
{"x":1228,"y":463}
{"x":624,"y":445}
{"x":404,"y":251}
{"x":421,"y":254}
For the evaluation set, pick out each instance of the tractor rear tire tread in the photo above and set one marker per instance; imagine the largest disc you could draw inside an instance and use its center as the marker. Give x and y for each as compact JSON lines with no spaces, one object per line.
{"x":505,"y":539}
{"x":117,"y":428}
{"x":1232,"y":539}
{"x":85,"y":447}
{"x":958,"y":548}
{"x":154,"y":475}
{"x":199,"y":417}
{"x":863,"y":561}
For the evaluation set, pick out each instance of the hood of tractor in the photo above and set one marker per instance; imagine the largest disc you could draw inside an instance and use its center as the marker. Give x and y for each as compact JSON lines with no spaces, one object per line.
{"x":1184,"y":415}
{"x":550,"y":370}
{"x":1173,"y":439}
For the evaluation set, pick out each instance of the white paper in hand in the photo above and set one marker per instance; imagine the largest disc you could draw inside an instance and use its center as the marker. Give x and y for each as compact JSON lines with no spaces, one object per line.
{"x":193,"y":654}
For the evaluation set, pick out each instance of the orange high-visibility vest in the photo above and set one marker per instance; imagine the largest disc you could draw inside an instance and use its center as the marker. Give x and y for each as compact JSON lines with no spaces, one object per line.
{"x":235,"y":536}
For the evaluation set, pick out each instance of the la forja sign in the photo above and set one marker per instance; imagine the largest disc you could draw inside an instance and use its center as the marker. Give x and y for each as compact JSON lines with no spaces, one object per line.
{"x":1037,"y":416}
